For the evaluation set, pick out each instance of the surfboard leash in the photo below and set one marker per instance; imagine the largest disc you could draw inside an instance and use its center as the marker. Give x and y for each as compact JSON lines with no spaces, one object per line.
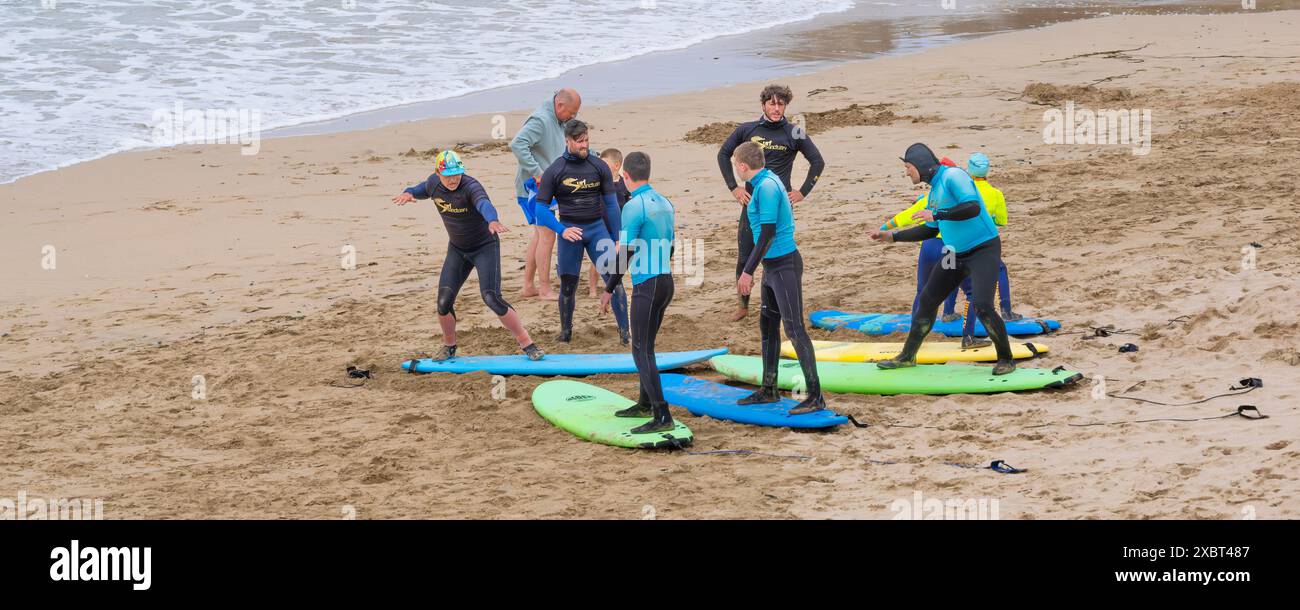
{"x":1096,"y":332}
{"x":1250,"y":412}
{"x":1101,"y":332}
{"x":1245,"y":386}
{"x":998,"y":466}
{"x":678,"y":444}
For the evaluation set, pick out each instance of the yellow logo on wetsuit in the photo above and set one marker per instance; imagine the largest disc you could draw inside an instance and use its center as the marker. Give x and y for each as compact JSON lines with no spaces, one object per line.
{"x":767,"y":144}
{"x":578,"y":185}
{"x":445,"y":207}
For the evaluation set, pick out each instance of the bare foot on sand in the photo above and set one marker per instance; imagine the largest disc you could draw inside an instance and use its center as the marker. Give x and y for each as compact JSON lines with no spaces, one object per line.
{"x":739,"y":314}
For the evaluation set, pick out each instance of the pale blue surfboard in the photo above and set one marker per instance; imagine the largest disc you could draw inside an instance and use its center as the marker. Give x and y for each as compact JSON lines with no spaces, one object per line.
{"x":575,"y":365}
{"x":889,"y":323}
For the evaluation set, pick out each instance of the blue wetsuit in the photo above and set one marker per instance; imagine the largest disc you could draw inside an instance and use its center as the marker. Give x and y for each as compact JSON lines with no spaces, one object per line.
{"x":586,"y":197}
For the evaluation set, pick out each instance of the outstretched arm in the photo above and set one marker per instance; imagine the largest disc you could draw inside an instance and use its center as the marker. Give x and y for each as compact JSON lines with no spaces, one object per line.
{"x":920,"y":232}
{"x":962,"y":211}
{"x":542,"y":212}
{"x":419,"y":191}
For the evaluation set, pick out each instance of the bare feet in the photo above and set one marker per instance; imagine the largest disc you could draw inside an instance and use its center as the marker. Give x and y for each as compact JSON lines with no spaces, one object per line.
{"x":529,"y":292}
{"x":739,"y":314}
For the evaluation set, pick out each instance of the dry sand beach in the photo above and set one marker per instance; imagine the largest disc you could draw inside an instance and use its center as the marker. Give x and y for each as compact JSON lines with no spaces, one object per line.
{"x":199,"y":261}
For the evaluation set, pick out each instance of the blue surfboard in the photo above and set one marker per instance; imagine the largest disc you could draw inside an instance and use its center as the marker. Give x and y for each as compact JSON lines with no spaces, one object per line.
{"x":889,"y":323}
{"x":575,"y":365}
{"x":716,"y":400}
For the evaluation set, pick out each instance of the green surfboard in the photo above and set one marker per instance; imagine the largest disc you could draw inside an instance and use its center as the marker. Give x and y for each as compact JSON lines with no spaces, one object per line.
{"x":587,"y":412}
{"x":865,"y":378}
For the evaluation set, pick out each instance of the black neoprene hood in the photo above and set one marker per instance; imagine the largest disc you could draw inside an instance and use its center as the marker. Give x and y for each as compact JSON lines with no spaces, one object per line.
{"x":923,"y":159}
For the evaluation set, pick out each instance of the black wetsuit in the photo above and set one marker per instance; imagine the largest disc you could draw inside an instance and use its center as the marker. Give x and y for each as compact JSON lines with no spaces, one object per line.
{"x":782,"y":291}
{"x":780,"y":147}
{"x":980,"y":263}
{"x":650,"y":225}
{"x":650,"y":300}
{"x":781,"y":303}
{"x":466,"y":213}
{"x":620,"y":191}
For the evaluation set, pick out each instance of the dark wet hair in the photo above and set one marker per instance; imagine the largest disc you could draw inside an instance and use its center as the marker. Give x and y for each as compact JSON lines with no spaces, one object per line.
{"x":780,"y":92}
{"x":637,"y":166}
{"x":575,"y":129}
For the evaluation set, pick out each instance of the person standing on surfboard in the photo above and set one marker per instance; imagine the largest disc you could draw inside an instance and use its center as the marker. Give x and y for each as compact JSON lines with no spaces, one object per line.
{"x":771,"y":220}
{"x":472,"y":229}
{"x":782,"y":141}
{"x":931,"y":249}
{"x":956,"y":211}
{"x":978,"y":168}
{"x":589,"y":220}
{"x":648,"y":233}
{"x":932,"y":252}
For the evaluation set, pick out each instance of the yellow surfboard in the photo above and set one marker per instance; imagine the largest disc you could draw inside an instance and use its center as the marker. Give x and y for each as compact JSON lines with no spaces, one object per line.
{"x":931,"y":353}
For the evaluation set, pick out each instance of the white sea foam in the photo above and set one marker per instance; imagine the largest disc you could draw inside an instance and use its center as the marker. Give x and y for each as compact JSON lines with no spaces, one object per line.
{"x":82,"y":79}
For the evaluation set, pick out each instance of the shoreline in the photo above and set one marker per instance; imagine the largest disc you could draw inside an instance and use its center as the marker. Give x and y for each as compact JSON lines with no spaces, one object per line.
{"x":805,"y":47}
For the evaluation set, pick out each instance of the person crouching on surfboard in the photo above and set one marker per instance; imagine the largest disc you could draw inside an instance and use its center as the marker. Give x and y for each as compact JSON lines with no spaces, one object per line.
{"x":771,"y":221}
{"x":978,"y":168}
{"x":472,"y":229}
{"x":931,"y":249}
{"x":648,"y":233}
{"x":956,"y":211}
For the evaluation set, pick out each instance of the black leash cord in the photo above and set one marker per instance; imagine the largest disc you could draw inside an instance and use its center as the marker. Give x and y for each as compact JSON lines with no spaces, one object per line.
{"x":1248,"y":384}
{"x":1240,"y":412}
{"x":998,"y":466}
{"x":678,"y":444}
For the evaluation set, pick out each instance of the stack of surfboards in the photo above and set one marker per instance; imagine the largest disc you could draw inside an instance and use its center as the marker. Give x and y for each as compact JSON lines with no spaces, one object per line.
{"x":888,"y":323}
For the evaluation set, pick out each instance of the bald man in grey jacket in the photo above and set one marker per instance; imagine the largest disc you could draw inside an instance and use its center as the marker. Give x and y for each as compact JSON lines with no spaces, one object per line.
{"x":539,"y":143}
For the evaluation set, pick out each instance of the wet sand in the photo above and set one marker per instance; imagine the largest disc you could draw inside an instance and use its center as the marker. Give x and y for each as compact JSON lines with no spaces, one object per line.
{"x":199,"y":261}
